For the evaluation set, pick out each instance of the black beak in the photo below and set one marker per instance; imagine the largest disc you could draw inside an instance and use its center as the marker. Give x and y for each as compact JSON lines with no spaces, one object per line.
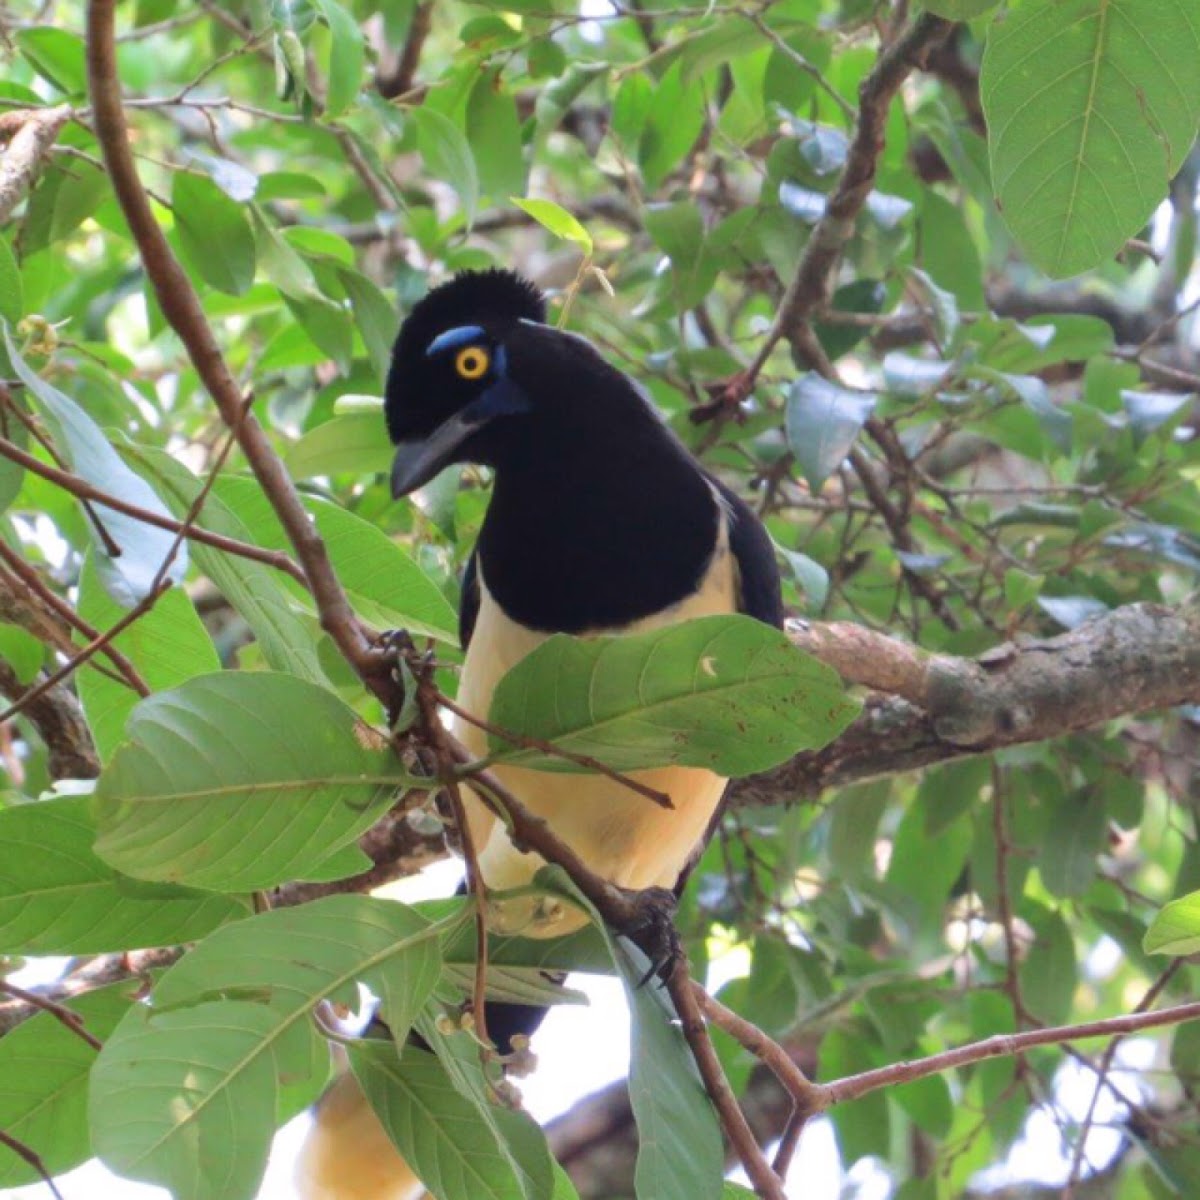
{"x":419,"y":460}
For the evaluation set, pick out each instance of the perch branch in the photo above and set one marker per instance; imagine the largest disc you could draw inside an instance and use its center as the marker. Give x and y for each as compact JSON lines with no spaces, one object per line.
{"x":30,"y":134}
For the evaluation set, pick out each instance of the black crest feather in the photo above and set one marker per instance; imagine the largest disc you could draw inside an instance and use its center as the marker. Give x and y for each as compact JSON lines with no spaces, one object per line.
{"x":471,"y":298}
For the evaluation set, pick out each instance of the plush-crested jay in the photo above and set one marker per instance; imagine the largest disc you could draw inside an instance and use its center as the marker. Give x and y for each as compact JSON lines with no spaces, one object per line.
{"x":600,"y":522}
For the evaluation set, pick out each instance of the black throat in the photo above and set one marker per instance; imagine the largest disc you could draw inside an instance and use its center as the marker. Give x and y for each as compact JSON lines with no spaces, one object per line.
{"x":596,"y":520}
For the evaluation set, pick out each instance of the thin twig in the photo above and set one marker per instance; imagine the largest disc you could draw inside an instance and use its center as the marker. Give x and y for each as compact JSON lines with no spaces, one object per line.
{"x":1105,"y":1065}
{"x":94,"y":647}
{"x":808,"y":289}
{"x":581,"y":760}
{"x":111,"y":548}
{"x":30,"y":578}
{"x":1001,"y":1045}
{"x":31,"y":1157}
{"x":72,"y":1020}
{"x":400,"y":80}
{"x":80,"y":487}
{"x":683,"y":992}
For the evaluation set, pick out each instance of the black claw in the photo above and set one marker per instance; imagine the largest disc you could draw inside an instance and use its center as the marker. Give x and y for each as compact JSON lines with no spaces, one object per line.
{"x":652,"y":930}
{"x":397,"y":645}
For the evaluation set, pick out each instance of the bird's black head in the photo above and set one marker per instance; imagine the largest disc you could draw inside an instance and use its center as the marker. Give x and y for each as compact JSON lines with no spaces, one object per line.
{"x":450,"y":383}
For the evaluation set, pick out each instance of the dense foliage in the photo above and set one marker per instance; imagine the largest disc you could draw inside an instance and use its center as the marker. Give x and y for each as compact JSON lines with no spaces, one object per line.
{"x":946,"y":342}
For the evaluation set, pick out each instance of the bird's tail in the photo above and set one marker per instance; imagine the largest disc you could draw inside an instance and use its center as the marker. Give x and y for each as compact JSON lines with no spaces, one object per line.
{"x":347,"y":1155}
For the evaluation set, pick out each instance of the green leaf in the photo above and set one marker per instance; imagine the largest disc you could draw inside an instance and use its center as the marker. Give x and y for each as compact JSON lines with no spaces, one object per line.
{"x":958,"y":10}
{"x":674,"y":118}
{"x":494,"y":133}
{"x":214,"y":233}
{"x":167,"y":646}
{"x":555,"y":218}
{"x":44,"y":1069}
{"x":677,"y":230}
{"x":861,"y":296}
{"x":187,"y":1099}
{"x":172,"y":1078}
{"x":1176,"y":928}
{"x":290,"y":959}
{"x":385,"y":586}
{"x":58,"y":897}
{"x":823,"y":423}
{"x":346,"y":58}
{"x":942,"y":304}
{"x":1076,"y":835}
{"x":22,"y":652}
{"x":57,"y":56}
{"x":440,"y":1133}
{"x":255,"y":590}
{"x":143,"y":547}
{"x":680,"y":1149}
{"x":279,"y":773}
{"x":447,"y":156}
{"x":353,"y":443}
{"x":1091,"y":107}
{"x":374,"y":317}
{"x":66,"y":195}
{"x":1049,"y":975}
{"x":12,"y":299}
{"x":12,"y":475}
{"x":863,"y":1126}
{"x":1150,"y":412}
{"x":724,"y":692}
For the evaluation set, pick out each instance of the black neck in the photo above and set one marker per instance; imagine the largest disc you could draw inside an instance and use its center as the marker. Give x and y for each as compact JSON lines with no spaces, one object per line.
{"x":595,"y":523}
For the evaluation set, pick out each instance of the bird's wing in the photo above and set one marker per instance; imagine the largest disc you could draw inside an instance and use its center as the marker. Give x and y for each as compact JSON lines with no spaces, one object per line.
{"x":758,"y":575}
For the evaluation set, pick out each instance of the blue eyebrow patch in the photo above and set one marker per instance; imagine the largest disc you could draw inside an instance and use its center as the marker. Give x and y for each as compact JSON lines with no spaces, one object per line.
{"x":452,"y":339}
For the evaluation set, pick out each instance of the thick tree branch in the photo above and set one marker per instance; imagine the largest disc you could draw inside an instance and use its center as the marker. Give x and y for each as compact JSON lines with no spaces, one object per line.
{"x":1136,"y":658}
{"x":30,"y":134}
{"x":60,"y":723}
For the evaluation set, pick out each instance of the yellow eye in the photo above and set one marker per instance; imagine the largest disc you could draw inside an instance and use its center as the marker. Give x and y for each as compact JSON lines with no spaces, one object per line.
{"x":472,"y":362}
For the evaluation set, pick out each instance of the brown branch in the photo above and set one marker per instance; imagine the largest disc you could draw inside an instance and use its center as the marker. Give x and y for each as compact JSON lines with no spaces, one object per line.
{"x":39,"y":434}
{"x":61,"y":725}
{"x":30,"y":134}
{"x":72,"y":1020}
{"x":684,"y":993}
{"x":31,"y":1157}
{"x":1000,"y":1045}
{"x":64,"y":612}
{"x":808,"y":289}
{"x":402,"y":76}
{"x":1134,"y":659}
{"x":181,"y":307}
{"x":1106,"y":1061}
{"x":93,"y":647}
{"x":80,"y":487}
{"x":804,"y":1092}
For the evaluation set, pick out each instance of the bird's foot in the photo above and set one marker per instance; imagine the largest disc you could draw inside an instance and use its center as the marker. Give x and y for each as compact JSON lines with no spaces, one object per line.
{"x":406,"y":666}
{"x":652,"y":929}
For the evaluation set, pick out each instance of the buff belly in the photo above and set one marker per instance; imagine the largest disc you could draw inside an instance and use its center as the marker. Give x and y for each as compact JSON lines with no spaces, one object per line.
{"x":622,"y":836}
